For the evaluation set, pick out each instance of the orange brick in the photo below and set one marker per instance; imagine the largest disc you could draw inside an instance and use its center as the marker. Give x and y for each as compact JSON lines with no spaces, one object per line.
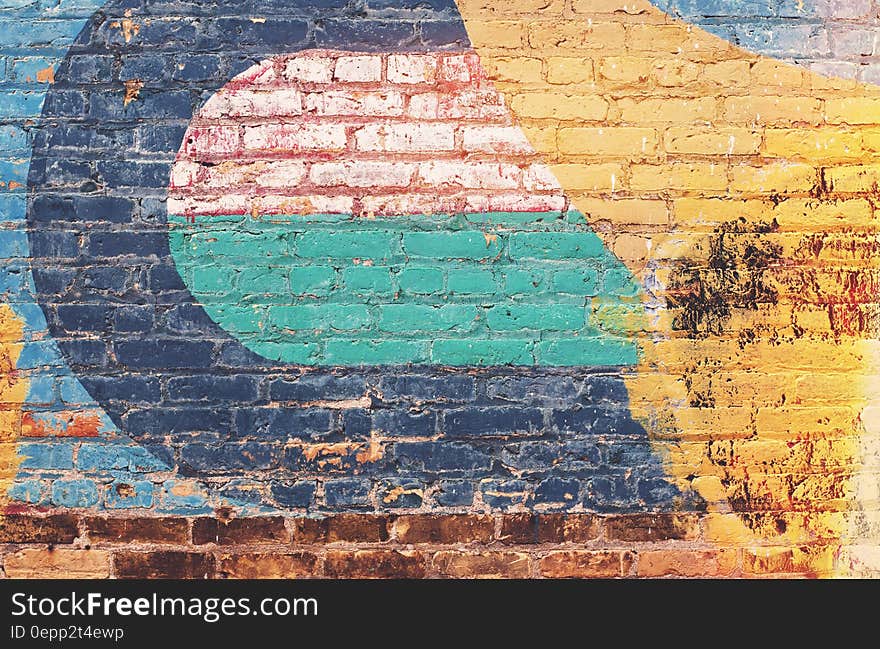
{"x":497,"y":565}
{"x":687,"y":563}
{"x":58,"y":563}
{"x":583,"y":563}
{"x":267,"y":566}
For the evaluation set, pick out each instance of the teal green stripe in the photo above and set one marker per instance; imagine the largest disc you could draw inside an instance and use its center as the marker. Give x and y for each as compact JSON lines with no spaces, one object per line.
{"x":467,"y":290}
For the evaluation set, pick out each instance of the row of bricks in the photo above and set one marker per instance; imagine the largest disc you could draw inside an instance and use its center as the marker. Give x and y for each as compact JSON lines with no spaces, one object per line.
{"x":681,"y":175}
{"x":744,"y":388}
{"x":550,"y":33}
{"x":822,"y":143}
{"x":401,"y":319}
{"x":624,"y":74}
{"x":823,"y":10}
{"x":367,"y":176}
{"x":255,"y":107}
{"x":39,"y":563}
{"x":769,"y":353}
{"x":791,"y":213}
{"x":675,"y":78}
{"x":299,"y":491}
{"x":721,"y":179}
{"x":442,"y":529}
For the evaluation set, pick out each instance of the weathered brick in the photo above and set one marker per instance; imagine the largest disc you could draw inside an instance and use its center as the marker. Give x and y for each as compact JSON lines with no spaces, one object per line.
{"x":652,"y":527}
{"x":239,"y":531}
{"x":57,"y":563}
{"x":455,"y":528}
{"x":687,"y":563}
{"x":296,"y":565}
{"x":374,"y":564}
{"x":163,"y":564}
{"x":137,"y":530}
{"x":492,"y":565}
{"x":24,"y":528}
{"x":585,"y":563}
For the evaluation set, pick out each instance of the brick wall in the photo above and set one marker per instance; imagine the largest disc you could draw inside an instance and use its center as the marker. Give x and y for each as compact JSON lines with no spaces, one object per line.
{"x":530,"y":289}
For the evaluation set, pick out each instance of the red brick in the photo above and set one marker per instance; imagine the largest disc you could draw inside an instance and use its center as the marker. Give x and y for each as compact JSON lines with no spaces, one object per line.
{"x":267,"y":566}
{"x":163,"y":565}
{"x":584,"y":564}
{"x":374,"y":564}
{"x":145,"y":530}
{"x":652,"y":527}
{"x":454,"y":528}
{"x":494,"y":565}
{"x":239,"y":530}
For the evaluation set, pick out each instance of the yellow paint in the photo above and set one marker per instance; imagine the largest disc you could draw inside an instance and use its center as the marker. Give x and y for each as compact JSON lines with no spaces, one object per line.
{"x":13,"y":391}
{"x":662,"y":134}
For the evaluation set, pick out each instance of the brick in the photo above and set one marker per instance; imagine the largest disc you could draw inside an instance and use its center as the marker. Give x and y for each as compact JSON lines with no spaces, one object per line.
{"x":773,"y":110}
{"x":491,"y":565}
{"x":454,"y":528}
{"x":57,"y":563}
{"x":309,"y":69}
{"x":500,"y":34}
{"x":358,"y":68}
{"x":137,"y":530}
{"x":357,"y":528}
{"x":585,"y":564}
{"x":410,"y":68}
{"x":611,"y":141}
{"x":605,"y":177}
{"x":568,"y":528}
{"x":163,"y":565}
{"x":652,"y":527}
{"x":23,"y":528}
{"x":568,"y":70}
{"x":687,"y":563}
{"x":562,"y":35}
{"x":718,"y":141}
{"x":239,"y":531}
{"x":374,"y":564}
{"x":667,"y":109}
{"x":495,"y":139}
{"x":294,"y":137}
{"x":295,"y":565}
{"x":405,"y":138}
{"x":559,"y":106}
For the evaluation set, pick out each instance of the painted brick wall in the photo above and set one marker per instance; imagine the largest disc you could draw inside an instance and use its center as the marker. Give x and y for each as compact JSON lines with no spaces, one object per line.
{"x":532,"y":289}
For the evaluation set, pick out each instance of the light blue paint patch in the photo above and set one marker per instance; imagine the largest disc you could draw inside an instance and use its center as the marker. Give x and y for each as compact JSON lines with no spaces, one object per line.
{"x":185,"y":497}
{"x":47,"y":455}
{"x":41,"y":389}
{"x":13,"y":207}
{"x":37,"y":354}
{"x":28,"y":491}
{"x":13,"y":243}
{"x":123,"y":494}
{"x":115,"y":457}
{"x":72,"y":392}
{"x":827,"y":36}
